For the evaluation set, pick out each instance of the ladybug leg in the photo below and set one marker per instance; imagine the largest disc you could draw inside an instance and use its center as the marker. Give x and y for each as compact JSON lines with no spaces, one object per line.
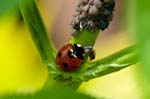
{"x":92,"y":55}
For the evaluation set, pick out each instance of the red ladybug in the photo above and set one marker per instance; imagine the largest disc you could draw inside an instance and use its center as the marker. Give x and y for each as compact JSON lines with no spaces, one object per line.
{"x":70,"y":57}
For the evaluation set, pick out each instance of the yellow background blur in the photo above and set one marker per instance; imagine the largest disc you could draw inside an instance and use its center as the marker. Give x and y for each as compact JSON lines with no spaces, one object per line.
{"x":21,"y":69}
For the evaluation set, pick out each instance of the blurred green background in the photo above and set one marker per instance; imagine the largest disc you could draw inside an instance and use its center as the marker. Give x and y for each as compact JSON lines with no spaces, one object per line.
{"x":21,"y":69}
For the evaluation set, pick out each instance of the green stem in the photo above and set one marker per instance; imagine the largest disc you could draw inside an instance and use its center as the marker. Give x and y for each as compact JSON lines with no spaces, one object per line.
{"x":85,"y":37}
{"x":112,"y":63}
{"x":38,"y":31}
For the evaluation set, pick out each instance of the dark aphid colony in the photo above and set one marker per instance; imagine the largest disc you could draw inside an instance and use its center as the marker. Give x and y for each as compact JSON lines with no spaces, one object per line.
{"x":92,"y":15}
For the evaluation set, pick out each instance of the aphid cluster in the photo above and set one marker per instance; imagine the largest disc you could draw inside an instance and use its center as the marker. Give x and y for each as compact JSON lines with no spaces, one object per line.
{"x":92,"y":15}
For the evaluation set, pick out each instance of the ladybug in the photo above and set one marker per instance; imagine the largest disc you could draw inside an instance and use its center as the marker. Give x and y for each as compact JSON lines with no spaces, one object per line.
{"x":71,"y":56}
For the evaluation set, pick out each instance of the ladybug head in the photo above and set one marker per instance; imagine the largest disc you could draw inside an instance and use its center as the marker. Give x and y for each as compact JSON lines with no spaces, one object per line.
{"x":79,"y":51}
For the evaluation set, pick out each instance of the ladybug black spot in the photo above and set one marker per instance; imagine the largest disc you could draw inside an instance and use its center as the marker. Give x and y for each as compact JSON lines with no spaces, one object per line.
{"x":65,"y":65}
{"x":59,"y":54}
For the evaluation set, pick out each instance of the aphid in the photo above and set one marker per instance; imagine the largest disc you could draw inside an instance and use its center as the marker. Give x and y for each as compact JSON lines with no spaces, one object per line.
{"x":70,"y":57}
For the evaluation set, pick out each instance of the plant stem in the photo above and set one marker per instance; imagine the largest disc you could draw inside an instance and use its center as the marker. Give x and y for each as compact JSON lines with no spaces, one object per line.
{"x":38,"y":31}
{"x":85,"y":37}
{"x":112,"y":63}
